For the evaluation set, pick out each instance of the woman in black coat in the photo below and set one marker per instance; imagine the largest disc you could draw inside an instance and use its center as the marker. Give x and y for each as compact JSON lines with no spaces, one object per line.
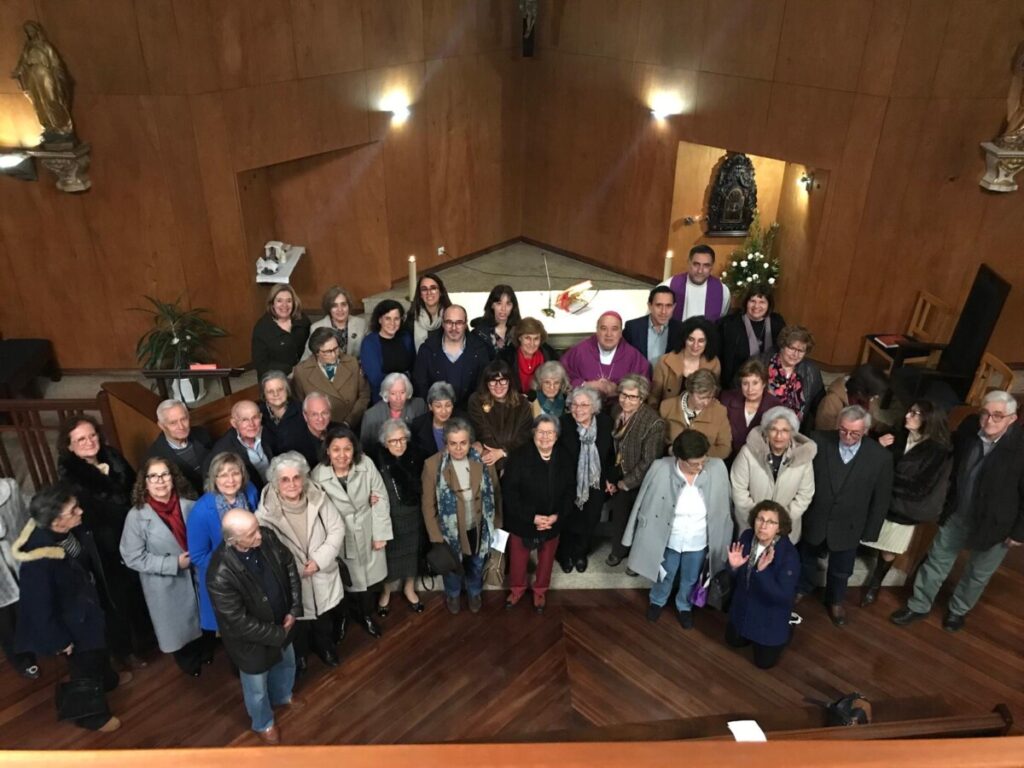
{"x":922,"y":463}
{"x":537,"y":492}
{"x":103,"y":481}
{"x":279,"y":336}
{"x":586,"y":434}
{"x":61,"y":610}
{"x":752,"y":330}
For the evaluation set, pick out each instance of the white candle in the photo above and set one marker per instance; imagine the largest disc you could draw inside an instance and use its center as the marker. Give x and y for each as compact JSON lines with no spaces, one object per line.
{"x":412,"y":278}
{"x":668,"y":265}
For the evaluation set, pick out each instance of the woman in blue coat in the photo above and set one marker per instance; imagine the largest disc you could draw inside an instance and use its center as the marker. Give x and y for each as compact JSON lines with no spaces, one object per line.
{"x":227,"y":487}
{"x":388,"y":348}
{"x":766,"y":569}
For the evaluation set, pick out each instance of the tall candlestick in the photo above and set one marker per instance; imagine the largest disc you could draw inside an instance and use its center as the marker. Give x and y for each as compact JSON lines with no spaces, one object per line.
{"x":668,"y":265}
{"x":412,"y":278}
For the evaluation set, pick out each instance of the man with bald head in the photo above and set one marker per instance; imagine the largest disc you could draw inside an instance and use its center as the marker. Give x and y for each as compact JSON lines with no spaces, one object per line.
{"x":180,"y":443}
{"x":255,"y":590}
{"x":601,"y":360}
{"x":453,"y":356}
{"x":247,"y":440}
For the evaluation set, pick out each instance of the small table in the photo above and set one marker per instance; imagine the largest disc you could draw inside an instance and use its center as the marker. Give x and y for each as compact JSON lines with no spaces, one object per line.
{"x":223,"y":374}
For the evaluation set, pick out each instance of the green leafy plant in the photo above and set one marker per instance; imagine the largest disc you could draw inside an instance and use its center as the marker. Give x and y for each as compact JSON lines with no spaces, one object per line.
{"x":755,"y":261}
{"x":178,"y":336}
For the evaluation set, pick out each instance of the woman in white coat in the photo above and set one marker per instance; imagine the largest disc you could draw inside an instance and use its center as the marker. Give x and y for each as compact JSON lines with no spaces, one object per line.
{"x":353,"y":483}
{"x":776,"y":464}
{"x":154,"y":543}
{"x":308,"y":524}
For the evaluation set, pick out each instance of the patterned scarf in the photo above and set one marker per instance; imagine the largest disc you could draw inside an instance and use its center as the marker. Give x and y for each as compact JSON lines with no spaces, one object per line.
{"x":222,"y":506}
{"x":755,"y":345}
{"x":448,"y":507}
{"x":752,"y":560}
{"x":551,"y":406}
{"x":689,"y":414}
{"x":170,"y":512}
{"x":788,"y":388}
{"x":588,"y":468}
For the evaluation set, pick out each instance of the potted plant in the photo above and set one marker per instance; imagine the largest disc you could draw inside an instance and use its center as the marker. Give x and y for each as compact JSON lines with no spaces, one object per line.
{"x":178,"y":338}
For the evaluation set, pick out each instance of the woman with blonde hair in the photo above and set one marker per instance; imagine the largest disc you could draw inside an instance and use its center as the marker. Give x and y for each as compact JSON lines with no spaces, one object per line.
{"x":279,"y":336}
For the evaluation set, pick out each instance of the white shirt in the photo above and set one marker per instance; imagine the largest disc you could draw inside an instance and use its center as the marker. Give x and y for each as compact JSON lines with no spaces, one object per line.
{"x":690,"y":524}
{"x":693,"y":303}
{"x":606,"y":356}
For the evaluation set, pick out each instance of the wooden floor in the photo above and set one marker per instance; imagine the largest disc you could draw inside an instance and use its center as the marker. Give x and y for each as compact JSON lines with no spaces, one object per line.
{"x":591,"y":660}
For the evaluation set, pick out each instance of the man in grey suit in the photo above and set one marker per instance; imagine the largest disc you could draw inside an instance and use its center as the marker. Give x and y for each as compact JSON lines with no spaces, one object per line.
{"x":852,"y":489}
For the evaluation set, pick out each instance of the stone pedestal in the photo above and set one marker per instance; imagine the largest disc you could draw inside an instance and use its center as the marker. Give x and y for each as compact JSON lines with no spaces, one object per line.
{"x":1001,"y":166}
{"x":68,"y":161}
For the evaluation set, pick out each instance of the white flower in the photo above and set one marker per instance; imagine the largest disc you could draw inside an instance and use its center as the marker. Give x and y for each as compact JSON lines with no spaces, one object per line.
{"x":725,"y":275}
{"x":175,"y":340}
{"x":754,"y":276}
{"x":771,"y":281}
{"x":743,"y":263}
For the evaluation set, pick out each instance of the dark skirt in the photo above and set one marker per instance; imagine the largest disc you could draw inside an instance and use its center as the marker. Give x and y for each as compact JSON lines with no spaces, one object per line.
{"x":403,"y":550}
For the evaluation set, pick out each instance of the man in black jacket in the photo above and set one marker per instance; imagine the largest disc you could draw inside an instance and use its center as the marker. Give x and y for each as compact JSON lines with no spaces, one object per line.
{"x":453,"y":356}
{"x":984,"y":511}
{"x":254,"y":588}
{"x":180,"y":443}
{"x":657,"y":332}
{"x":852,"y":490}
{"x":248,"y":440}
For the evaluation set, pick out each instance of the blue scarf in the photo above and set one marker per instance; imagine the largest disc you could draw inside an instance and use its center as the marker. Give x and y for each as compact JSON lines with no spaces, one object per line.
{"x":552,"y":407}
{"x":448,"y":508}
{"x":222,"y":506}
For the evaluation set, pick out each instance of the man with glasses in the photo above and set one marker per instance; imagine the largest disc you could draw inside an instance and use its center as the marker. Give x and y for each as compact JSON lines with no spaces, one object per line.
{"x":852,"y":490}
{"x":984,"y":512}
{"x":335,"y":375}
{"x":452,"y":356}
{"x":247,"y":440}
{"x":180,"y":443}
{"x":316,"y":413}
{"x":696,"y":291}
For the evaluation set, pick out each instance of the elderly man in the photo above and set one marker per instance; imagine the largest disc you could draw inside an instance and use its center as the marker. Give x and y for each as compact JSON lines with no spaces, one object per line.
{"x":247,"y":440}
{"x":316,"y":412}
{"x":600,"y":361}
{"x":255,"y":590}
{"x":453,"y":356}
{"x":180,"y":443}
{"x":853,"y":486}
{"x":336,"y":375}
{"x":697,"y":292}
{"x":657,"y":332}
{"x":984,"y":512}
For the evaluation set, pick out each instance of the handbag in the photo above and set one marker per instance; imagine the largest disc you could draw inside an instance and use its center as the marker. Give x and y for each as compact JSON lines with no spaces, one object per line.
{"x":720,"y":590}
{"x":81,"y":698}
{"x":494,"y":569}
{"x":699,"y":593}
{"x":343,"y":571}
{"x":851,"y":709}
{"x":441,"y":560}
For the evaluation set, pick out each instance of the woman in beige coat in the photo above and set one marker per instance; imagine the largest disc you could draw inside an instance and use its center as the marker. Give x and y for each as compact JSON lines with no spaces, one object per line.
{"x":352,"y":482}
{"x":776,"y":464}
{"x":698,"y":408}
{"x":308,"y":524}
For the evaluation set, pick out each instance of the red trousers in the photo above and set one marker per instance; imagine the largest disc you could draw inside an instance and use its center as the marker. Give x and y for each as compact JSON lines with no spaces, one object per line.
{"x":519,"y":555}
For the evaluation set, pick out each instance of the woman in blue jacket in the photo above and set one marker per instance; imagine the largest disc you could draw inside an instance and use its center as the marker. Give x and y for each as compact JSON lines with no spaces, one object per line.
{"x":388,"y":348}
{"x":227,"y":487}
{"x":766,"y":569}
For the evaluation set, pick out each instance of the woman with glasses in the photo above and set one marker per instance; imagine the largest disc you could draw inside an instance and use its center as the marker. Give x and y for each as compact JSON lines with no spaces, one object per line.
{"x":279,"y":336}
{"x":766,"y":569}
{"x":428,"y":306}
{"x":155,"y":544}
{"x":921,"y":452}
{"x":550,"y":388}
{"x":388,"y":348}
{"x":792,"y":378}
{"x":698,"y":409}
{"x":333,"y":373}
{"x":396,"y":402}
{"x":751,"y":331}
{"x":349,"y":329}
{"x":528,"y":352}
{"x":500,"y":415}
{"x":698,"y":352}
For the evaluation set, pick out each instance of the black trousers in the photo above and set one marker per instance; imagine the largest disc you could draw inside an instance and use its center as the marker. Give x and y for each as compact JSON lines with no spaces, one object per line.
{"x":840,"y":569}
{"x":765,"y":656}
{"x":620,"y":506}
{"x":576,"y":539}
{"x":314,"y":634}
{"x":8,"y":625}
{"x":190,"y":657}
{"x":93,"y":665}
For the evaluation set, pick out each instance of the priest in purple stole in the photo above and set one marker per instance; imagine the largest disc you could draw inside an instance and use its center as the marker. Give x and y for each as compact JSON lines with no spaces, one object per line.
{"x":698,"y":292}
{"x":601,"y":360}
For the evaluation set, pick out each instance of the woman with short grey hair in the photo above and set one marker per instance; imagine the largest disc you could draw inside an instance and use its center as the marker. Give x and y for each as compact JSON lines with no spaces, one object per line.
{"x":396,"y":402}
{"x":776,"y":464}
{"x":310,"y":526}
{"x":428,"y":429}
{"x":551,"y":384}
{"x":282,"y":414}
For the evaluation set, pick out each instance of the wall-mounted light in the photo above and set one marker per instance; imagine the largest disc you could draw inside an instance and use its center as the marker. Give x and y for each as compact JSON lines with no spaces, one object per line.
{"x":397,"y":103}
{"x":665,"y":104}
{"x":807,"y":181}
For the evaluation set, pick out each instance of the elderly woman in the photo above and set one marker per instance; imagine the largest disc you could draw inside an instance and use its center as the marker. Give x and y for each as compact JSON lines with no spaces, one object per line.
{"x":13,"y":516}
{"x":428,"y":306}
{"x":501,"y":314}
{"x":428,"y":429}
{"x":396,"y":402}
{"x":746,"y":406}
{"x":227,"y":487}
{"x":401,"y":467}
{"x":154,"y":543}
{"x":698,"y":408}
{"x":865,"y":386}
{"x":680,"y":519}
{"x":550,"y":388}
{"x":282,"y":415}
{"x":751,"y":331}
{"x":698,"y":353}
{"x":61,"y":608}
{"x":586,"y":434}
{"x":776,"y":464}
{"x":528,"y":351}
{"x":355,"y":486}
{"x":638,"y":434}
{"x":388,"y":348}
{"x":766,"y":569}
{"x":334,"y":374}
{"x":500,"y":415}
{"x":279,"y":336}
{"x":793,"y":379}
{"x":921,"y":452}
{"x":103,"y":483}
{"x":308,"y":524}
{"x":538,"y":492}
{"x":349,"y":329}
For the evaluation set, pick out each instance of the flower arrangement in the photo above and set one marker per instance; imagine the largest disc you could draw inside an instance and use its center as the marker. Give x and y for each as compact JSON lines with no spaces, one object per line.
{"x":754,"y":262}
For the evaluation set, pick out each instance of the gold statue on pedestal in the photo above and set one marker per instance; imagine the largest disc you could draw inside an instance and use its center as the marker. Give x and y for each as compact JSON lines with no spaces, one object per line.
{"x":44,"y":80}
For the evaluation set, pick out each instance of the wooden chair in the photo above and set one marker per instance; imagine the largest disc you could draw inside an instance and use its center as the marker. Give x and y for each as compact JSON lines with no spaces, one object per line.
{"x":991,"y":367}
{"x":928,"y":325}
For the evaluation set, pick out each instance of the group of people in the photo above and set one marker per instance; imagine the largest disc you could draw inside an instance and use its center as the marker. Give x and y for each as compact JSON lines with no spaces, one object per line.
{"x":376,"y":443}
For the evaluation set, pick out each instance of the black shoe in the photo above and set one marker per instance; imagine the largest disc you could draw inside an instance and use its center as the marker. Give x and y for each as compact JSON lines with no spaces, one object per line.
{"x":567,"y":566}
{"x":581,"y":565}
{"x":905,"y":616}
{"x":371,"y":627}
{"x":417,"y":607}
{"x":952,"y":622}
{"x":631,"y":572}
{"x":869,"y":597}
{"x":837,"y":613}
{"x":383,"y":611}
{"x":301,"y":665}
{"x":329,"y":658}
{"x":339,"y":629}
{"x":686,"y":619}
{"x":612,"y":560}
{"x":653,"y":612}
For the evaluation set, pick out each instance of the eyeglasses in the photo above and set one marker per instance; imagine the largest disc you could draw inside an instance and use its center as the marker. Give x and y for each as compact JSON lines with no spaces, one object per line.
{"x":797,"y":350}
{"x":765,"y":521}
{"x":498,"y":380}
{"x":328,"y":350}
{"x":250,"y":419}
{"x":397,"y":440}
{"x":628,"y":398}
{"x":86,"y":439}
{"x":319,"y":414}
{"x":546,"y":433}
{"x":429,"y":289}
{"x":914,"y":412}
{"x":339,"y":305}
{"x":158,"y":477}
{"x":996,"y":417}
{"x":453,"y":323}
{"x":694,"y":465}
{"x":581,"y":406}
{"x":855,"y":434}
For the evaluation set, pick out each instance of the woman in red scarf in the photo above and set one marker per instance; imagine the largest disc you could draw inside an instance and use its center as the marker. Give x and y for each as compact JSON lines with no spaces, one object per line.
{"x":154,"y":544}
{"x":527,"y":352}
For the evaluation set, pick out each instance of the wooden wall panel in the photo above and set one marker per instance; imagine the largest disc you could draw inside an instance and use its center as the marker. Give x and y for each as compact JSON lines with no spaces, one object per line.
{"x":923,"y":37}
{"x":881,"y":51}
{"x":328,"y":36}
{"x":822,"y":42}
{"x":742,"y":37}
{"x":392,"y":32}
{"x":671,"y":32}
{"x":975,"y":60}
{"x":252,"y":41}
{"x":730,"y":111}
{"x":13,"y":14}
